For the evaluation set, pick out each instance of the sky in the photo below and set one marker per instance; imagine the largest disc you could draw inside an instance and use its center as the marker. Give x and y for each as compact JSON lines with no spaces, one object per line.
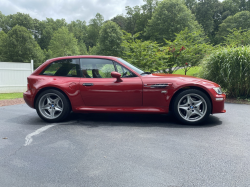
{"x":68,"y":9}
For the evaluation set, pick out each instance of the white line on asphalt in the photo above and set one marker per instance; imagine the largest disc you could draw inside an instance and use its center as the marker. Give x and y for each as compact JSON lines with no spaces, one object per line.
{"x":28,"y":138}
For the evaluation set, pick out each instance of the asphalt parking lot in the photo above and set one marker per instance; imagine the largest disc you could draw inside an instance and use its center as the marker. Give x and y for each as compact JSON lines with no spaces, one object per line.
{"x":124,"y":150}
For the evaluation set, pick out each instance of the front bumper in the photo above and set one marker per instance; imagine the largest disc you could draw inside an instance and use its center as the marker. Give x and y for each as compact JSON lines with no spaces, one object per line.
{"x":219,"y":103}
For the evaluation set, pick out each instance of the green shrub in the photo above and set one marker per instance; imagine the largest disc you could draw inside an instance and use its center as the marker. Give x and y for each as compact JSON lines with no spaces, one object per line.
{"x":143,"y":54}
{"x":229,"y":67}
{"x":238,"y":37}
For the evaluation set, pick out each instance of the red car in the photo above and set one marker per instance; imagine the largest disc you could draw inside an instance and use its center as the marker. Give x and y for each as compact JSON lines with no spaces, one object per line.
{"x":110,"y":84}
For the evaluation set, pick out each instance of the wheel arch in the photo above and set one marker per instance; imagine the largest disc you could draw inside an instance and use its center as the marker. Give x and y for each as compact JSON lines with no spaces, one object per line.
{"x":54,"y":88}
{"x":188,"y":88}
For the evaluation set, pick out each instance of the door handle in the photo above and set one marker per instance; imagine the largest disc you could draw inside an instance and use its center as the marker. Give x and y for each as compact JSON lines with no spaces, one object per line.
{"x":87,"y":84}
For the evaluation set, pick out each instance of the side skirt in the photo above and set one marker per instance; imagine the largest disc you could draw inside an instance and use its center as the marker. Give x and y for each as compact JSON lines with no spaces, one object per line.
{"x":122,"y":109}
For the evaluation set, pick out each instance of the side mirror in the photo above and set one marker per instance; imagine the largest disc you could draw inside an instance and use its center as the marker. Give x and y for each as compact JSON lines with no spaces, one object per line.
{"x":116,"y":75}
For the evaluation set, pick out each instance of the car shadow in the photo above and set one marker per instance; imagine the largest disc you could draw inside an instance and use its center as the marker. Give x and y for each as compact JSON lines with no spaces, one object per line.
{"x":93,"y":120}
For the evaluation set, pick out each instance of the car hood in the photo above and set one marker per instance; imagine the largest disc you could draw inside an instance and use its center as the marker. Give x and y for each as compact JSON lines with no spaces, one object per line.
{"x":177,"y":80}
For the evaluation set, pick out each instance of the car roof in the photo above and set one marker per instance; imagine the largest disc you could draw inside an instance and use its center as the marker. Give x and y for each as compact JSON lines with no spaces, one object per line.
{"x":83,"y":56}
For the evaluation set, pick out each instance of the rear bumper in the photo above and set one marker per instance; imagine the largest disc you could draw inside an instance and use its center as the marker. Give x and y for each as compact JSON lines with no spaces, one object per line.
{"x":28,"y":98}
{"x":218,"y":104}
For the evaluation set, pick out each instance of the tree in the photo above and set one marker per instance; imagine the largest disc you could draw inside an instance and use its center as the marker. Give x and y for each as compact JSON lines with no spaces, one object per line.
{"x":149,"y":8}
{"x":238,"y":38}
{"x":239,"y":20}
{"x":93,"y":50}
{"x":79,"y":29}
{"x":217,"y":17}
{"x":45,"y":36}
{"x":133,"y":17}
{"x":143,"y":54}
{"x":170,"y":17}
{"x":147,"y":12}
{"x":244,"y":5}
{"x":120,"y":20}
{"x":3,"y":41}
{"x":20,"y":19}
{"x":94,"y":28}
{"x":46,"y":29}
{"x":63,"y":43}
{"x":248,"y":5}
{"x":48,"y":54}
{"x":230,"y":8}
{"x":110,"y":39}
{"x":186,"y":50}
{"x":191,"y":4}
{"x":82,"y":48}
{"x":20,"y":46}
{"x":204,"y":15}
{"x":208,"y":14}
{"x":37,"y":30}
{"x":137,"y":17}
{"x":2,"y":17}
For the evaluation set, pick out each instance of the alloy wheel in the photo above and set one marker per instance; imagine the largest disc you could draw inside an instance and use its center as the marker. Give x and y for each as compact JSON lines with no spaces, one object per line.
{"x":50,"y":106}
{"x":192,"y":107}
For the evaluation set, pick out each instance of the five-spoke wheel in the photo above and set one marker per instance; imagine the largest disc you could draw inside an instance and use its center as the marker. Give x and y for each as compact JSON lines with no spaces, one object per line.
{"x":192,"y":106}
{"x":52,"y":106}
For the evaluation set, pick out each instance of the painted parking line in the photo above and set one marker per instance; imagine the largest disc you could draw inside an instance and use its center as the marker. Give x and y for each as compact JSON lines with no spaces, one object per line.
{"x":28,"y":138}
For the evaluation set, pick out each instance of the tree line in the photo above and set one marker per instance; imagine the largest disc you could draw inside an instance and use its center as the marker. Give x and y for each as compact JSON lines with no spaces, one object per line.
{"x":157,"y":36}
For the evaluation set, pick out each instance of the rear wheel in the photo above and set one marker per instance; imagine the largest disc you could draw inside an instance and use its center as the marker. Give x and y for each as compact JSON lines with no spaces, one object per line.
{"x":52,"y":106}
{"x":192,"y":106}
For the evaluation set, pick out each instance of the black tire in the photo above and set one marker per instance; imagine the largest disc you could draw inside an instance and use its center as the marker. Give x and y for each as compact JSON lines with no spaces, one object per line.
{"x":193,"y":113}
{"x":63,"y":102}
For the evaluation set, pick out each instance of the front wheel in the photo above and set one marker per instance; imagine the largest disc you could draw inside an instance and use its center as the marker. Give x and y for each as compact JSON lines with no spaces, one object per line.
{"x":192,"y":106}
{"x":52,"y":106}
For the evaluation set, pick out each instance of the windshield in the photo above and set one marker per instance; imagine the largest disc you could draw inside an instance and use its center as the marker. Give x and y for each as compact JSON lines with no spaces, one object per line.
{"x":131,"y":66}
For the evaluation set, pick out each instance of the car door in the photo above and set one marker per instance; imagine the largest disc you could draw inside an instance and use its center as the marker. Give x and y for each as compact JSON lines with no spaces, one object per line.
{"x":98,"y":88}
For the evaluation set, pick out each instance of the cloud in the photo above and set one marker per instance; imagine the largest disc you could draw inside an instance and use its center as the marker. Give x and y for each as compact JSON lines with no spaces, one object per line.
{"x":68,"y":9}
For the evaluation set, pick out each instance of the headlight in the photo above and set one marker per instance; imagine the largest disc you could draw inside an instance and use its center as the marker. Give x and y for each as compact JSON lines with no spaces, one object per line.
{"x":218,"y":90}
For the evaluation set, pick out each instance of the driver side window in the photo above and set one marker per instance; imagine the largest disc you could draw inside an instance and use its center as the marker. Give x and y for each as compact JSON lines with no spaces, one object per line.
{"x":124,"y":71}
{"x":96,"y":68}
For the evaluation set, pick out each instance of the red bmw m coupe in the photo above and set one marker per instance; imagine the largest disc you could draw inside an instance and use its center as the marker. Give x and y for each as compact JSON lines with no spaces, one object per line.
{"x":110,"y":84}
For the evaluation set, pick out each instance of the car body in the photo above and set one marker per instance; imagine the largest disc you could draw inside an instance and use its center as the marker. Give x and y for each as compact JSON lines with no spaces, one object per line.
{"x":110,"y":84}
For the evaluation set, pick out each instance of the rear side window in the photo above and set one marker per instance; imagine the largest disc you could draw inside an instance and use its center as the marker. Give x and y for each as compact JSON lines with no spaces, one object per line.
{"x":65,"y":68}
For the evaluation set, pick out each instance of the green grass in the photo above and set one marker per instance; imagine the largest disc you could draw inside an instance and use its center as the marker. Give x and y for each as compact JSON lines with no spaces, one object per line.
{"x":4,"y":96}
{"x":192,"y":71}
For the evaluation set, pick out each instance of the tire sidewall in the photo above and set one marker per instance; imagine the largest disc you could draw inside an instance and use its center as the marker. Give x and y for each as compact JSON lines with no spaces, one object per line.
{"x":190,"y":91}
{"x":66,"y":106}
